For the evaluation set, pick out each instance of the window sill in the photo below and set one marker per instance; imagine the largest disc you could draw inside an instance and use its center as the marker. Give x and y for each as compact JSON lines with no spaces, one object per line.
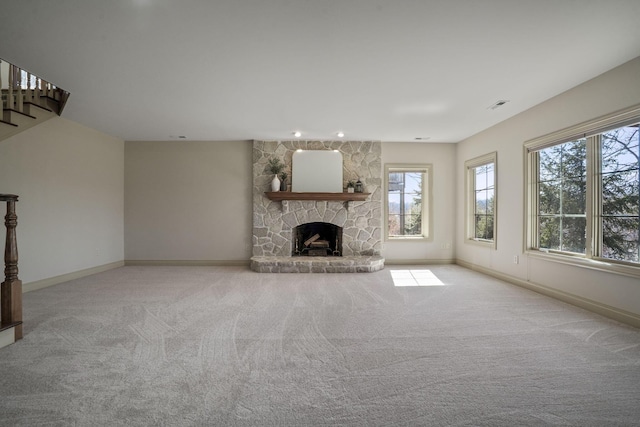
{"x":593,"y":264}
{"x":484,"y":243}
{"x":407,"y":238}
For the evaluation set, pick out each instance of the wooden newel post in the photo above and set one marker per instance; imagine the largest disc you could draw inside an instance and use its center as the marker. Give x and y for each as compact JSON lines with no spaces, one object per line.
{"x":11,"y":292}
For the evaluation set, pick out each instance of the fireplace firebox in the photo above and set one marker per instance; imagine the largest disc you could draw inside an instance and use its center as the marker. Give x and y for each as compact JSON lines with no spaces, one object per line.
{"x":317,"y":239}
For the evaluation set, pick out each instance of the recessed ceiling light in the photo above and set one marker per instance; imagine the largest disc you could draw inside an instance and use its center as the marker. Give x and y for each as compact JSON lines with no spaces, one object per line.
{"x":297,"y":134}
{"x":340,"y":134}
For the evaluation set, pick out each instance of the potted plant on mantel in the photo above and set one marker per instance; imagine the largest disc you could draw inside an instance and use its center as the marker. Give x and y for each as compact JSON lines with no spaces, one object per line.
{"x":351,"y":186}
{"x":283,"y":181}
{"x":275,"y":166}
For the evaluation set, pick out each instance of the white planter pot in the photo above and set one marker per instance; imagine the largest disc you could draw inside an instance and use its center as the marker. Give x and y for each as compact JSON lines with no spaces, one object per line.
{"x":275,"y":184}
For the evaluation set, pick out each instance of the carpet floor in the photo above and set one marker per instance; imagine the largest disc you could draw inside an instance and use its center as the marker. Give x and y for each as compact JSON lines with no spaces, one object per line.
{"x":406,"y":346}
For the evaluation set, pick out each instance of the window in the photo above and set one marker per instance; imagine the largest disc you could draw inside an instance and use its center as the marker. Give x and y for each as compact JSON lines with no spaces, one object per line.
{"x":619,"y":178}
{"x":481,"y":199}
{"x":562,"y":194}
{"x":407,"y":204}
{"x":583,"y":198}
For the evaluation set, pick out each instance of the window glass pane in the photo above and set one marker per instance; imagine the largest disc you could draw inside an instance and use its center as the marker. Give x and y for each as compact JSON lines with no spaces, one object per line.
{"x":574,"y":234}
{"x":489,"y":202}
{"x":484,"y":227}
{"x":620,"y":239}
{"x":620,"y":193}
{"x":481,"y":177}
{"x":562,"y":196}
{"x":483,"y":201}
{"x":574,"y":195}
{"x":413,"y":182}
{"x":549,"y":164}
{"x":549,"y":232}
{"x":396,"y":182}
{"x":549,"y":198}
{"x":394,"y":203}
{"x":405,"y":203}
{"x":413,"y":225}
{"x":620,"y":149}
{"x":412,"y":205}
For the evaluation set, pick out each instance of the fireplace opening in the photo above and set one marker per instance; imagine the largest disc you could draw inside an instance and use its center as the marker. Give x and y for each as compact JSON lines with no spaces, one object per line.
{"x":317,"y":239}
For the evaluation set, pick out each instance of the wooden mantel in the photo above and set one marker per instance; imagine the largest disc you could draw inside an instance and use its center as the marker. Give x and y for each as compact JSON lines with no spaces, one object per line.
{"x":279,"y":196}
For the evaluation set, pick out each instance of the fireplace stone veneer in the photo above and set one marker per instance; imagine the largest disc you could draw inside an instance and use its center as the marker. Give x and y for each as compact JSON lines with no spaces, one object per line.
{"x":361,"y":221}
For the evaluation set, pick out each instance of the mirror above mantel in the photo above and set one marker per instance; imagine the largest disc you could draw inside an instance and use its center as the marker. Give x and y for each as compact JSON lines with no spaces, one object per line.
{"x":316,"y":171}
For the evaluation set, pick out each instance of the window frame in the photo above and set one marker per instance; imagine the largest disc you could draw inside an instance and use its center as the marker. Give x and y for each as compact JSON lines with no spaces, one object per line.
{"x":426,"y":205}
{"x":470,"y":200}
{"x":591,"y":131}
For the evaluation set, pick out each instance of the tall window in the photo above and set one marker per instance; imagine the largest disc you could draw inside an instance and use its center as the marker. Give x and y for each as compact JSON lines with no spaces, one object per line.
{"x":562,"y":187}
{"x":481,"y":199}
{"x":407,"y":201}
{"x":584,"y":192}
{"x":619,"y":179}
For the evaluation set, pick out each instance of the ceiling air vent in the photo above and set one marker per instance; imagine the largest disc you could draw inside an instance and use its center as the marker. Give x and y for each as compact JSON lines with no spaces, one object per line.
{"x":497,"y":104}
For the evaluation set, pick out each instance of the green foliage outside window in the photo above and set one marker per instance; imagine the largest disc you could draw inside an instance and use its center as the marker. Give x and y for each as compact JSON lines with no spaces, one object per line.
{"x":405,"y":203}
{"x":562,"y":209}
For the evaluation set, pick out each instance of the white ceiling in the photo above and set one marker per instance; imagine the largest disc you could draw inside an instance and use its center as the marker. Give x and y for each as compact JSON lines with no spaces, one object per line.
{"x":389,"y":70}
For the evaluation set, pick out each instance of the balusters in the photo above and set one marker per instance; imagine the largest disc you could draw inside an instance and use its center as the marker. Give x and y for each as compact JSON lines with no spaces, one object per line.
{"x":20,"y":97}
{"x":10,"y":77}
{"x":29,"y":90}
{"x":36,"y":92}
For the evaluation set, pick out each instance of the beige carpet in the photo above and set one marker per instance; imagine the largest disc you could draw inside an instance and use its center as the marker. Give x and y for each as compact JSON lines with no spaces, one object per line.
{"x":203,"y":346}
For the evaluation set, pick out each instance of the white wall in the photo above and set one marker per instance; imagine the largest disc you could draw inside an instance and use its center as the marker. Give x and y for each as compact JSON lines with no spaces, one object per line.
{"x":188,"y":201}
{"x":612,"y":91}
{"x":70,"y":180}
{"x":441,"y":246}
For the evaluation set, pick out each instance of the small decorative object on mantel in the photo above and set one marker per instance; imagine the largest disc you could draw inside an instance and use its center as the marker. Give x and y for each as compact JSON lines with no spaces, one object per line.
{"x":275,"y":183}
{"x":359,"y":186}
{"x":275,"y":166}
{"x":351,"y":186}
{"x":283,"y":181}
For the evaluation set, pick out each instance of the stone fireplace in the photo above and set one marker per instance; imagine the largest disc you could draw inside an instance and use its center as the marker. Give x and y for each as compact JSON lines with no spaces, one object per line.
{"x":275,"y":238}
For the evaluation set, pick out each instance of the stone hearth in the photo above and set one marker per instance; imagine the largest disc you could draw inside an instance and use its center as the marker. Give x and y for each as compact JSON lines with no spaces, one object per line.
{"x":347,"y":264}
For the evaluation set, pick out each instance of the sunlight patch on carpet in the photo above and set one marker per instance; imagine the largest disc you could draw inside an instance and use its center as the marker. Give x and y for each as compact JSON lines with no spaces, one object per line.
{"x":415,"y":278}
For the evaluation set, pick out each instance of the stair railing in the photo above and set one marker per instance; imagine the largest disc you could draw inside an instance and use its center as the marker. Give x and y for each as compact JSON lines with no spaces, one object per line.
{"x":23,"y":87}
{"x":11,"y":288}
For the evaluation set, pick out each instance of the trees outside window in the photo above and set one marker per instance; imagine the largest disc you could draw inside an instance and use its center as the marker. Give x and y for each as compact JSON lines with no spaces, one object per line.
{"x":619,"y":179}
{"x":562,"y":182}
{"x":481,"y":199}
{"x":583,"y":196}
{"x":407,"y":203}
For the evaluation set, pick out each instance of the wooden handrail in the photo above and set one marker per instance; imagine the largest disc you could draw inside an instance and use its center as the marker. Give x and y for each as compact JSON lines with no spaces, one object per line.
{"x":11,"y":292}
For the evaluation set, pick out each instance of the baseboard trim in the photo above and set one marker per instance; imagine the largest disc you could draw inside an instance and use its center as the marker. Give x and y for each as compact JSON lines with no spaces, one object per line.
{"x":188,"y":263}
{"x":614,"y":313}
{"x":418,"y":261}
{"x":45,"y":283}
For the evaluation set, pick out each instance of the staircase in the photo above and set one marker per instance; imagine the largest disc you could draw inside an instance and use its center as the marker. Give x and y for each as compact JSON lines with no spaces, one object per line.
{"x":27,"y":100}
